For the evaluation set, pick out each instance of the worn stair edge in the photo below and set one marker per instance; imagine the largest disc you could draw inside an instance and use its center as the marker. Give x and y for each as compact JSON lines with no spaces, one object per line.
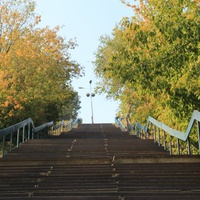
{"x":170,"y":159}
{"x":71,"y":161}
{"x":103,"y":197}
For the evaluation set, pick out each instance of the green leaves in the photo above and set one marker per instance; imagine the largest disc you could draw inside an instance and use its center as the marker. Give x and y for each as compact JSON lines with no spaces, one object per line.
{"x":160,"y":46}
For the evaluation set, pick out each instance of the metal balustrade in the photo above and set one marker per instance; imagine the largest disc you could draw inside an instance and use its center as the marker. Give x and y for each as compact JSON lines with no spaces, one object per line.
{"x":119,"y":123}
{"x":17,"y":134}
{"x":170,"y":139}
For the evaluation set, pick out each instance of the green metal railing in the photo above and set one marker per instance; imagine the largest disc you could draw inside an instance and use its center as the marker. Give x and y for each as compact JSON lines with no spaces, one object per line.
{"x":119,"y":123}
{"x":17,"y":134}
{"x":170,"y":139}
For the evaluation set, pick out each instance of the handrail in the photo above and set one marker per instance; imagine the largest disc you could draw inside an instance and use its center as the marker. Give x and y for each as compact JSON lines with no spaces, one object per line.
{"x":8,"y":130}
{"x":28,"y":131}
{"x":42,"y":127}
{"x":15,"y":127}
{"x":184,"y":136}
{"x":118,"y":122}
{"x":76,"y":123}
{"x":178,"y":134}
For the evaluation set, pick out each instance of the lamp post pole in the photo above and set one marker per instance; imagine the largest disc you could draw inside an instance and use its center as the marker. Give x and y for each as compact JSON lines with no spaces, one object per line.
{"x":91,"y":94}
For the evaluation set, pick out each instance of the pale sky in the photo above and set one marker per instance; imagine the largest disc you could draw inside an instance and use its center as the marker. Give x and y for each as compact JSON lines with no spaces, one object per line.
{"x":86,"y":20}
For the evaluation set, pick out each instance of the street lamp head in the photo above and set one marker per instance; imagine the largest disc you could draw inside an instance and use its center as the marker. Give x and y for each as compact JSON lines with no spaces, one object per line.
{"x":92,"y":94}
{"x":88,"y":94}
{"x":90,"y":81}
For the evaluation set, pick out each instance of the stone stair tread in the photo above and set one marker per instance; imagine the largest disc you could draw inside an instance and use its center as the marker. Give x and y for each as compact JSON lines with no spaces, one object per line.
{"x":97,"y":162}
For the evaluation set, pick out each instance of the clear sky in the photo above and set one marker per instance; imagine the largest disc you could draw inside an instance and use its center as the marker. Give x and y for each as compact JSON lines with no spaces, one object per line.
{"x":86,"y":20}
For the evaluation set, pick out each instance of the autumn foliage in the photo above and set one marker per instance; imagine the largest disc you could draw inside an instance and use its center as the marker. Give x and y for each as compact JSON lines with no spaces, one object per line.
{"x":35,"y":67}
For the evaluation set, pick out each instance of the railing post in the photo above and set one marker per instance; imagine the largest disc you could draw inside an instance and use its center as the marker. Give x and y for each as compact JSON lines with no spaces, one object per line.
{"x":178,"y":146}
{"x":198,"y":130}
{"x":188,"y":144}
{"x":133,"y":129}
{"x":164,"y":140}
{"x":23,"y":135}
{"x":154,"y":135}
{"x":32,"y":137}
{"x":139,"y":133}
{"x":3,"y":146}
{"x":147,"y":134}
{"x":170,"y":147}
{"x":150,"y":128}
{"x":158,"y":136}
{"x":136,"y":131}
{"x":29,"y":131}
{"x":72,"y":122}
{"x":17,"y":137}
{"x":11,"y":141}
{"x":57,"y":131}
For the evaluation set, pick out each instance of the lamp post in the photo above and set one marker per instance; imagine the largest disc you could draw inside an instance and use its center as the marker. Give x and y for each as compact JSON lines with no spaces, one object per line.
{"x":91,"y":94}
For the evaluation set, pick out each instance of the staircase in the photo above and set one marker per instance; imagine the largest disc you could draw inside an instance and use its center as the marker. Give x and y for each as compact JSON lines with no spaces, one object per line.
{"x":97,"y":162}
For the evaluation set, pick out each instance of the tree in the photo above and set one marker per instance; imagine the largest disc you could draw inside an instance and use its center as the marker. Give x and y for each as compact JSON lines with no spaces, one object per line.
{"x":35,"y":68}
{"x":155,"y":54}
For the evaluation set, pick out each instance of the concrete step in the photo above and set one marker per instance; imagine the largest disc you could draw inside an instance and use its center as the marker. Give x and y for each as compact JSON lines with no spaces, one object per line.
{"x":97,"y":162}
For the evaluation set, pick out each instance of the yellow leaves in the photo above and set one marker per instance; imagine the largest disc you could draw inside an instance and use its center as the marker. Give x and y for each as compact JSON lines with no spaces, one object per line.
{"x":15,"y":15}
{"x":3,"y":81}
{"x":18,"y":106}
{"x":34,"y":63}
{"x":9,"y":98}
{"x":25,"y":53}
{"x":6,"y":103}
{"x":190,"y":16}
{"x":19,"y":53}
{"x":11,"y":113}
{"x":37,"y":19}
{"x":11,"y":104}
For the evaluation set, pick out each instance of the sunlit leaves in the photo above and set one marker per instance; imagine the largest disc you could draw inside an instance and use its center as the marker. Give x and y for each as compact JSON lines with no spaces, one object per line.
{"x":155,"y":55}
{"x":35,"y":66}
